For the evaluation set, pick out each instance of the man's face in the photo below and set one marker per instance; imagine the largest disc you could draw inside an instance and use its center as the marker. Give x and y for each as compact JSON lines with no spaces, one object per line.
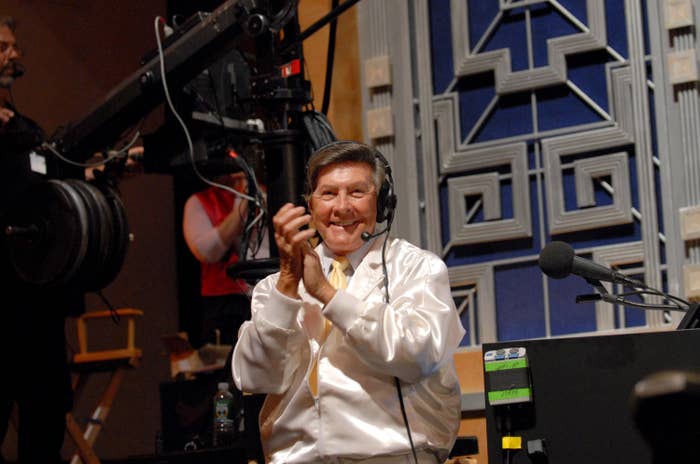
{"x":343,"y":205}
{"x":8,"y":54}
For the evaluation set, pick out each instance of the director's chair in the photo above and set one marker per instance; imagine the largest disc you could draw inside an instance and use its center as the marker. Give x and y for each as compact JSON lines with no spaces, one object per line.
{"x":85,"y":363}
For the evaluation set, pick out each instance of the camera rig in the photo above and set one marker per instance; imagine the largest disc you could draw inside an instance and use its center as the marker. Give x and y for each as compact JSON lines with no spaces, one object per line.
{"x":270,"y":121}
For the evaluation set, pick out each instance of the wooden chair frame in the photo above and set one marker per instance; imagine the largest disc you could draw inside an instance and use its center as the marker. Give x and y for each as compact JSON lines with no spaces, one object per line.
{"x":85,"y":363}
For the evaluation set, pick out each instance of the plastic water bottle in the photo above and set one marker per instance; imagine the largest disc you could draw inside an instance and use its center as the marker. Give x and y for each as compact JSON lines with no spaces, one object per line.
{"x":224,"y":431}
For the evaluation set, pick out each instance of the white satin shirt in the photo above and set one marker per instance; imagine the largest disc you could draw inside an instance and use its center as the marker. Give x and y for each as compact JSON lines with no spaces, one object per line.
{"x":356,"y":417}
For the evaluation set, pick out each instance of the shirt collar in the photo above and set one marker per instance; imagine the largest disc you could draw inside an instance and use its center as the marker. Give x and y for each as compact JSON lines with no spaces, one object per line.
{"x":355,"y":258}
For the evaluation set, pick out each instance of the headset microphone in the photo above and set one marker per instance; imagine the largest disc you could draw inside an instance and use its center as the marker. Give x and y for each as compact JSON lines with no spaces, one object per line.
{"x":366,"y":236}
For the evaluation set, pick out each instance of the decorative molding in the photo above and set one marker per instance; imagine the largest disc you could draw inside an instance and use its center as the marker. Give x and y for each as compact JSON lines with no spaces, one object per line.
{"x":480,"y":276}
{"x":466,"y":62}
{"x":610,"y":256}
{"x":678,"y":14}
{"x":380,"y":123}
{"x":553,"y":149}
{"x":690,"y":222}
{"x":588,"y":170}
{"x":682,"y":67}
{"x":377,"y":72}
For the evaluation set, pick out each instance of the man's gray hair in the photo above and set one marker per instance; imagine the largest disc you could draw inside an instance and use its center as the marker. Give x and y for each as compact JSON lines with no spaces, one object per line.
{"x":344,"y":152}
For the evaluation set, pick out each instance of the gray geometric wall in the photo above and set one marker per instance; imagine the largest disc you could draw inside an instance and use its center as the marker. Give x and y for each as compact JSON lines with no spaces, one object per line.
{"x":510,"y":124}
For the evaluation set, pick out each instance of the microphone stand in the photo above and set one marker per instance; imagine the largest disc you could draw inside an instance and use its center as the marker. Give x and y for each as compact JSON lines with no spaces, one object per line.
{"x":692,"y":310}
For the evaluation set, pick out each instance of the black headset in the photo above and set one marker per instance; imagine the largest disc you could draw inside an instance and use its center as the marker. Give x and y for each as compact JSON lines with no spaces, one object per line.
{"x":386,"y":198}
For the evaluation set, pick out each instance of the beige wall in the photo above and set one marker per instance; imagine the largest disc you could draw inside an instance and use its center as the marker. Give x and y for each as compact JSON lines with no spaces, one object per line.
{"x":345,"y":107}
{"x":76,"y":52}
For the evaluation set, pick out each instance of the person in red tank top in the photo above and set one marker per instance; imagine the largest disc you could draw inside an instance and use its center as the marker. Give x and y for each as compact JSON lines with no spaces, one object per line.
{"x":213,"y":223}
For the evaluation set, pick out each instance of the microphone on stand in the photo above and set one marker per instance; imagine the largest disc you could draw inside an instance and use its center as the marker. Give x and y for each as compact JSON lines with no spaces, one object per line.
{"x":557,"y":260}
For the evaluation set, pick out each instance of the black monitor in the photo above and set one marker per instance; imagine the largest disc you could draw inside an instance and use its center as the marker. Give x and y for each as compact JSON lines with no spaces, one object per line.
{"x":582,"y":396}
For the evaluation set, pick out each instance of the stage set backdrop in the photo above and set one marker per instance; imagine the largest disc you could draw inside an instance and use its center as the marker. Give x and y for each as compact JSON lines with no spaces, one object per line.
{"x":523,"y":122}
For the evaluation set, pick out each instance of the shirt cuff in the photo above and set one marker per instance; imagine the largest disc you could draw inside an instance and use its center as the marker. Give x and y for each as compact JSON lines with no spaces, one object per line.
{"x":343,"y":310}
{"x":281,"y":310}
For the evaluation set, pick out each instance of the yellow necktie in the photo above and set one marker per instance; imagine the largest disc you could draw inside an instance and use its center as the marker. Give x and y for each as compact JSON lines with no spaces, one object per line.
{"x":337,"y":279}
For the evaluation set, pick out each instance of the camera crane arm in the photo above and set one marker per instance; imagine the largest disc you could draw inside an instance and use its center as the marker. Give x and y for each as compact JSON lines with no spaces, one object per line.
{"x":141,"y":92}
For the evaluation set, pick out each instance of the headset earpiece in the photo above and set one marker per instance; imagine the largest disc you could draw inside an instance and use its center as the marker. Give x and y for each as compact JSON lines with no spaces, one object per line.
{"x":386,"y":198}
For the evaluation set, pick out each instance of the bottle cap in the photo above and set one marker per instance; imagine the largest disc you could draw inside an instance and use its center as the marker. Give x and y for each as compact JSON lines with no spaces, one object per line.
{"x":223,"y":386}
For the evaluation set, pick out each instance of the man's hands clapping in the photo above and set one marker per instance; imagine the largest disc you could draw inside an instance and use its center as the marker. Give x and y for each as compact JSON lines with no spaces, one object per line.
{"x":297,"y":258}
{"x":292,"y":242}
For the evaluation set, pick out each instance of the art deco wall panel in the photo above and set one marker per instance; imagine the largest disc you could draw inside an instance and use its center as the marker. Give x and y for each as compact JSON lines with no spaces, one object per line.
{"x":537,"y":121}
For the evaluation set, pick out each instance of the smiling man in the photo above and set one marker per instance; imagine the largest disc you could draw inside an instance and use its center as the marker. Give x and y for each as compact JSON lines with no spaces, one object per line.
{"x":352,"y":341}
